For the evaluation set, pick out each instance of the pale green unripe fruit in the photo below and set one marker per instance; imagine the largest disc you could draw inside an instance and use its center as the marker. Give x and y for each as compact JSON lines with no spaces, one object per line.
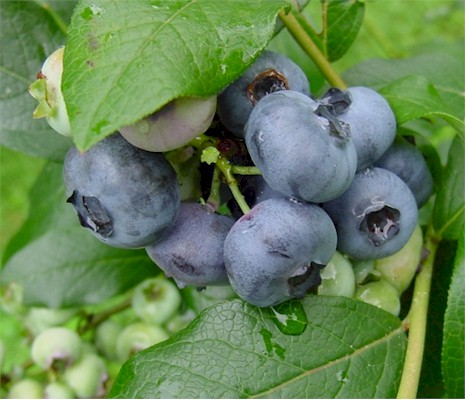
{"x":364,"y":270}
{"x":380,"y":294}
{"x":39,"y":319}
{"x":47,"y":90}
{"x":337,"y":277}
{"x":26,"y":389}
{"x":106,"y":336}
{"x":87,"y":377}
{"x":400,"y":268}
{"x":156,"y":300}
{"x":138,"y":336}
{"x":56,"y":344}
{"x":58,"y":390}
{"x":174,"y":125}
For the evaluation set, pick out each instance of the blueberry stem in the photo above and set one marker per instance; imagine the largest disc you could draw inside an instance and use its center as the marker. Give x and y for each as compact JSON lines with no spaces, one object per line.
{"x":416,"y":322}
{"x":243,"y":170}
{"x":94,"y":320}
{"x":310,"y":48}
{"x":214,"y":196}
{"x":224,"y":165}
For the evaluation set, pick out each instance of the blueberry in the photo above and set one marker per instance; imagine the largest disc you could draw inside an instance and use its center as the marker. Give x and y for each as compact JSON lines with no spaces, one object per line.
{"x":56,"y":344}
{"x":156,"y":300}
{"x":371,"y":121}
{"x":271,"y":72}
{"x":275,"y":252}
{"x":375,"y":217}
{"x":173,"y":126}
{"x":127,"y":197}
{"x":337,"y":277}
{"x":380,"y":294}
{"x":299,"y":153}
{"x":192,"y":252}
{"x":88,"y":377}
{"x":406,"y":160}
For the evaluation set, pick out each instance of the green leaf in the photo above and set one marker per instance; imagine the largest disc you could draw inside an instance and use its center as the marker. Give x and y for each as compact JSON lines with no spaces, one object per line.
{"x":29,"y":34}
{"x":69,"y":267}
{"x":341,"y":22}
{"x":443,"y":70}
{"x":126,"y":59}
{"x":449,"y":205}
{"x":345,"y":349}
{"x":48,"y":209}
{"x":58,"y":262}
{"x":453,"y":331}
{"x":414,"y":97}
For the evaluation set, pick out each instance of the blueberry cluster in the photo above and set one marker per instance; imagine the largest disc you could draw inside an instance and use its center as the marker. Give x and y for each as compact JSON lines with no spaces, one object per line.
{"x":331,"y":176}
{"x":76,"y":353}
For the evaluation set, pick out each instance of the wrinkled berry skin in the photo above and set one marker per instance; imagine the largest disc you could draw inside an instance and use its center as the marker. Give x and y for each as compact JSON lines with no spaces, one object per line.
{"x":375,"y":217}
{"x":192,"y":252}
{"x":372,"y":124}
{"x":299,"y":153}
{"x":270,"y":72}
{"x":275,"y":252}
{"x":127,"y":197}
{"x":407,"y":161}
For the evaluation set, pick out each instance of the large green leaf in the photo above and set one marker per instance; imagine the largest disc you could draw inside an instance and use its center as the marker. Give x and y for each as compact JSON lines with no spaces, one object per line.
{"x":69,"y":267}
{"x":61,"y":264}
{"x":453,"y":331}
{"x":341,"y":22}
{"x":414,"y":97}
{"x":449,"y":204}
{"x":338,"y":348}
{"x":125,"y":59}
{"x":48,"y":209}
{"x":29,"y":33}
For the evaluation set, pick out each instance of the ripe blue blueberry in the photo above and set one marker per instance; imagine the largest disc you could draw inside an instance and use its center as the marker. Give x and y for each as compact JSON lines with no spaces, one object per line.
{"x":275,"y":252}
{"x":192,"y":252}
{"x":300,"y":153}
{"x":371,"y":121}
{"x":126,"y":196}
{"x":271,"y":72}
{"x":375,"y":217}
{"x":406,"y":160}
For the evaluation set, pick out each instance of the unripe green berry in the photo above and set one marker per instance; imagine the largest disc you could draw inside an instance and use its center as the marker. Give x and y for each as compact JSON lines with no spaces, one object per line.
{"x":174,"y":125}
{"x":138,"y":336}
{"x":337,"y":277}
{"x":47,"y":90}
{"x":58,"y":390}
{"x":56,"y":344}
{"x":26,"y":389}
{"x":400,"y":268}
{"x":364,"y":271}
{"x":87,"y":377}
{"x":106,"y":336}
{"x":380,"y":294}
{"x":38,"y":319}
{"x":156,"y":300}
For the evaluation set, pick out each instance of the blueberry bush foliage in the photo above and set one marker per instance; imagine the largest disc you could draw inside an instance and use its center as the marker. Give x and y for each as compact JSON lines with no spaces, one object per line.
{"x":125,"y":59}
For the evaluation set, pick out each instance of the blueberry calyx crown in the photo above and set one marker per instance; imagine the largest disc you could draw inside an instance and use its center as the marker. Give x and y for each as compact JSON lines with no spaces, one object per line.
{"x":306,"y":278}
{"x":382,"y":225}
{"x":92,"y":214}
{"x":265,"y":83}
{"x":336,"y":100}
